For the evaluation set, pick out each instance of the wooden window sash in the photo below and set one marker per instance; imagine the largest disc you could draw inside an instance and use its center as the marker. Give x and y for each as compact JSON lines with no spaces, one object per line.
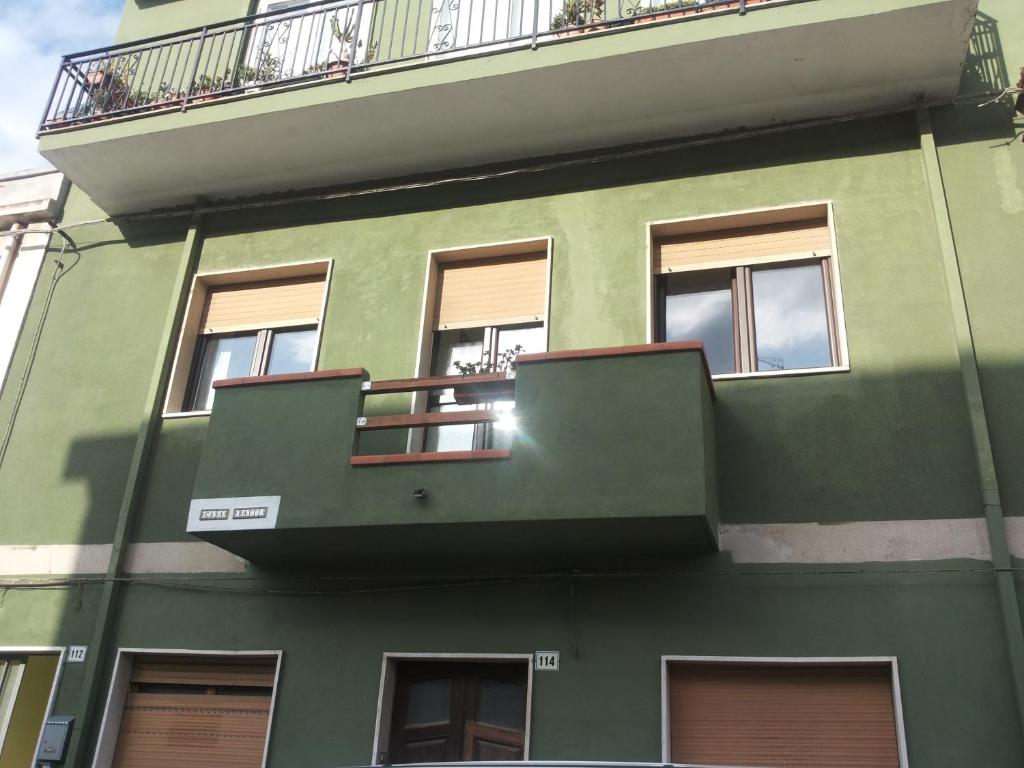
{"x":744,"y":325}
{"x":831,"y":316}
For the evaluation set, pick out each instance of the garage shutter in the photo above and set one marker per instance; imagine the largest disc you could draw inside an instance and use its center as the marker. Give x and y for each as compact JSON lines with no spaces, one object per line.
{"x":497,"y":291}
{"x":196,"y":712}
{"x":267,"y":304}
{"x":742,"y":245}
{"x":782,"y":715}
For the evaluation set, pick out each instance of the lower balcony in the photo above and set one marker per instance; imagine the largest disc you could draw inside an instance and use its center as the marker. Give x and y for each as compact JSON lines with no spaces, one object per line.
{"x":607,"y":457}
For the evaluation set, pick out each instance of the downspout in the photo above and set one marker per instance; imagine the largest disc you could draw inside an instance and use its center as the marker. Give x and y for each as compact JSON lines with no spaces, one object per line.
{"x":148,"y":429}
{"x":1006,"y":587}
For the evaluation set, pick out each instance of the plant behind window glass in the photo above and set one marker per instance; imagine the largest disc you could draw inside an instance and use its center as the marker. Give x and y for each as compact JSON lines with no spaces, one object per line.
{"x":506,"y":362}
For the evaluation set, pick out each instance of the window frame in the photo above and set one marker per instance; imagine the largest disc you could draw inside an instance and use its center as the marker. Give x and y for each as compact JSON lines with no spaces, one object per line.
{"x":61,"y":652}
{"x":890,"y":661}
{"x":386,"y":691}
{"x":260,"y":357}
{"x":425,"y":338}
{"x":179,"y":393}
{"x":744,"y":337}
{"x":117,"y":695}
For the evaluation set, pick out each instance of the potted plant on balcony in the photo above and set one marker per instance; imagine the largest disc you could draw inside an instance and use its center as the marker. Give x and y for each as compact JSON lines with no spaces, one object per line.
{"x":108,"y":88}
{"x":664,"y":11}
{"x":506,"y":363}
{"x":206,"y":88}
{"x":338,"y":52}
{"x":578,"y":17}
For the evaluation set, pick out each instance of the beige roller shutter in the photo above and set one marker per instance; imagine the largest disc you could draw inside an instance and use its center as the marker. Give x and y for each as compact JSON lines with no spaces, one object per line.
{"x":195,"y":712}
{"x":268,"y":304}
{"x":798,"y":716}
{"x":491,"y":291}
{"x":742,"y":245}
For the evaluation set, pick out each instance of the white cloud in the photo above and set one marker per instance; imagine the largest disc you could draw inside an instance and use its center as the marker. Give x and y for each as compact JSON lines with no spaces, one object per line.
{"x":33,"y":37}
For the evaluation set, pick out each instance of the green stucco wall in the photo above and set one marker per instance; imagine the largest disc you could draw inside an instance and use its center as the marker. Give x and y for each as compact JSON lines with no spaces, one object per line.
{"x":983,"y":170}
{"x":148,"y":18}
{"x":888,"y":440}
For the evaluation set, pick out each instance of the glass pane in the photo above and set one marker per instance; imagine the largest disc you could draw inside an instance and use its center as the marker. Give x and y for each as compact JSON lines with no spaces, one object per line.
{"x":292,"y":351}
{"x":428,"y":702}
{"x":531,"y":339}
{"x":698,"y":307}
{"x":225,"y":357}
{"x":465,"y":347}
{"x":502,"y":704}
{"x":791,"y":325}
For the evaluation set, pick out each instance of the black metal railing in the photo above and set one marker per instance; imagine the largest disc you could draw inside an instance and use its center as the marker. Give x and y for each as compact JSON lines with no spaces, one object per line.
{"x":326,"y":41}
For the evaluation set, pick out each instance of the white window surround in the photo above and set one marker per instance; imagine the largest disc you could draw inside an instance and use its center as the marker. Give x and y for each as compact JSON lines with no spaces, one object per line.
{"x":189,"y":334}
{"x":41,"y":650}
{"x":110,"y":722}
{"x":890,"y":661}
{"x":656,"y":228}
{"x":385,"y":694}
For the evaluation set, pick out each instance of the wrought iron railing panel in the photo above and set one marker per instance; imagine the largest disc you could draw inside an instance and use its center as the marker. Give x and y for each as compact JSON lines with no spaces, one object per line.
{"x":325,"y":41}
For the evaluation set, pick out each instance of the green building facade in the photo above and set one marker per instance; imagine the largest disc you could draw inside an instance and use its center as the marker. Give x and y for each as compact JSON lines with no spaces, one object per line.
{"x":676,"y":533}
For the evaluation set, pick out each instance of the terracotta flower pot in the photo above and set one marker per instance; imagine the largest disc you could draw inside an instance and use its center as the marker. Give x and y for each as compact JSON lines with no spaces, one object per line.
{"x":582,"y":30}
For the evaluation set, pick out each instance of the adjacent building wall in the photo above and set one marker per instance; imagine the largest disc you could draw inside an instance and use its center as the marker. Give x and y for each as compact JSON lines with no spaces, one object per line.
{"x":29,"y":200}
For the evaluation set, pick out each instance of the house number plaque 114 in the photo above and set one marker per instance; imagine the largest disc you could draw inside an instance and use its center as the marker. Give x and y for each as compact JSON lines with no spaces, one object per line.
{"x":545,"y":661}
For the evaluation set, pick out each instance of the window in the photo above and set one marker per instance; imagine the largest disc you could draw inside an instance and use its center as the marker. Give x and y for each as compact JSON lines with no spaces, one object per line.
{"x":455,"y":711}
{"x":484,"y":312}
{"x":813,"y":714}
{"x":234,"y":355}
{"x":196,"y":710}
{"x":761,"y":297}
{"x":251,"y":323}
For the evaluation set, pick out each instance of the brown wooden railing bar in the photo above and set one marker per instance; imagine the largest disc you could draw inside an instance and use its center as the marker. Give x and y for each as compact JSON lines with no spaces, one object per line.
{"x":487,"y":381}
{"x":434,"y":419}
{"x":427,"y":458}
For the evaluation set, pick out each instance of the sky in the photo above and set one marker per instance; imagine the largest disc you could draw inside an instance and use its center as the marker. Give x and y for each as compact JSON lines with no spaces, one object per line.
{"x":34,"y":34}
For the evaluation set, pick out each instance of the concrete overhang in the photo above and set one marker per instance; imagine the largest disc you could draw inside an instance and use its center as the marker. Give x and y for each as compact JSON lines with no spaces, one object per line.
{"x":781,"y":62}
{"x":27,"y":197}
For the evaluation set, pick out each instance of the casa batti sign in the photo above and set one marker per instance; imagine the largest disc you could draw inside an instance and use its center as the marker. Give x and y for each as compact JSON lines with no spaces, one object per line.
{"x":545,"y":661}
{"x":233,"y":514}
{"x":76,"y":654}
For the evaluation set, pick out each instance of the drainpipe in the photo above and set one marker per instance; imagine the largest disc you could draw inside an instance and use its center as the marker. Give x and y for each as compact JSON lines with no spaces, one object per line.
{"x":148,"y":429}
{"x":1006,"y":587}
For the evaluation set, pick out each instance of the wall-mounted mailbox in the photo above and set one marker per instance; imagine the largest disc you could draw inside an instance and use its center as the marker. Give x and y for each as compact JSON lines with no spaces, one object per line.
{"x":54,"y":745}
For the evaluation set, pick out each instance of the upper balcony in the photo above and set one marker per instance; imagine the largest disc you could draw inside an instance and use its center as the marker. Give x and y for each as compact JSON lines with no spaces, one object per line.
{"x":346,"y":91}
{"x":611,"y":457}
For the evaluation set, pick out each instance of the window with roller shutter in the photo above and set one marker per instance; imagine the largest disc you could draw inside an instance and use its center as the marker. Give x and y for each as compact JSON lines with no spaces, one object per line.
{"x":203,"y":712}
{"x":760,"y":290}
{"x":797,"y":715}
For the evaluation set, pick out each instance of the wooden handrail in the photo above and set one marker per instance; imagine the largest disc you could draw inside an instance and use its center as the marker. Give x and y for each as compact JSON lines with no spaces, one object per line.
{"x":476,"y":381}
{"x":437,"y":419}
{"x":427,"y":458}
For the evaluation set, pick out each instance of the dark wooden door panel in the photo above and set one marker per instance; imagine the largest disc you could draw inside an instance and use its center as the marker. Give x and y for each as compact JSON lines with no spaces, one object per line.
{"x":447,"y":712}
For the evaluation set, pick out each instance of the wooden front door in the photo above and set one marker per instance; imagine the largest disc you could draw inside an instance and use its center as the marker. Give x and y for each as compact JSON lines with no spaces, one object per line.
{"x":447,"y":712}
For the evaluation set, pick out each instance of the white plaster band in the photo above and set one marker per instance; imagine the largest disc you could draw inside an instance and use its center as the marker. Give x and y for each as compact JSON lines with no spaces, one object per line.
{"x":81,"y":559}
{"x":883,"y":541}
